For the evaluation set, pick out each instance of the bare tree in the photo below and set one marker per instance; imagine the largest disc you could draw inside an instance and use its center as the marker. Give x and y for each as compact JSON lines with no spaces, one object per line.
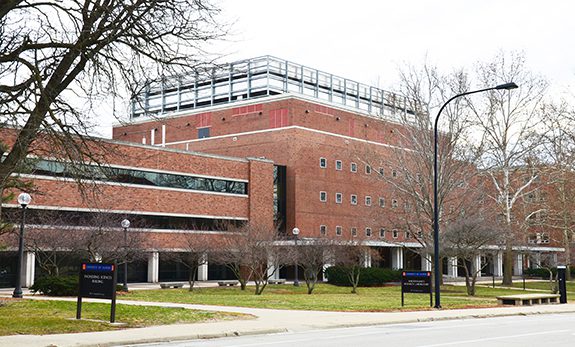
{"x":311,"y":255}
{"x":195,"y":249}
{"x":507,"y":121}
{"x":351,"y":256}
{"x":468,"y":238}
{"x":558,"y":156}
{"x":59,"y":59}
{"x":251,"y":252}
{"x":412,"y":160}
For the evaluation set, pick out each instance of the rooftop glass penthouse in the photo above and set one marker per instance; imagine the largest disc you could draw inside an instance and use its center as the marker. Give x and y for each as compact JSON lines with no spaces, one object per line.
{"x":259,"y":77}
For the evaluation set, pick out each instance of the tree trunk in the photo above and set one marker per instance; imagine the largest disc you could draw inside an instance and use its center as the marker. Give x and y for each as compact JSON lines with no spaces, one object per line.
{"x":508,"y":266}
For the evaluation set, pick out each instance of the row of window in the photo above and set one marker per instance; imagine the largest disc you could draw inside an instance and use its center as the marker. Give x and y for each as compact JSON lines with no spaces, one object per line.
{"x":353,"y":199}
{"x":368,"y":232}
{"x":353,"y":167}
{"x":131,"y":176}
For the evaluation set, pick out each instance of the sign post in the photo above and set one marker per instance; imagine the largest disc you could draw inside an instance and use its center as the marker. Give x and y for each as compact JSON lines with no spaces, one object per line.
{"x":416,"y":282}
{"x":97,"y":281}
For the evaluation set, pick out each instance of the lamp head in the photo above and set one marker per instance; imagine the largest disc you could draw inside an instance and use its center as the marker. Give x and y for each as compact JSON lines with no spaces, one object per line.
{"x":125,"y":224}
{"x":295,"y":231}
{"x":24,"y":199}
{"x":507,"y":86}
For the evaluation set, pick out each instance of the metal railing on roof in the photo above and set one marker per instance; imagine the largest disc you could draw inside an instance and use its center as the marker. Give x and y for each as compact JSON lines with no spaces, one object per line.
{"x":260,"y":77}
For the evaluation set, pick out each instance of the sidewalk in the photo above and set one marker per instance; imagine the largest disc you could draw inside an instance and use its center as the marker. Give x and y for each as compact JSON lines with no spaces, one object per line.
{"x":267,"y":321}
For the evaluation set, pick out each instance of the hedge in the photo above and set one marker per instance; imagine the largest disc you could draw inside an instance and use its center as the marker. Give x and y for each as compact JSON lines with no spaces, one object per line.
{"x":369,"y":276}
{"x":56,"y":285}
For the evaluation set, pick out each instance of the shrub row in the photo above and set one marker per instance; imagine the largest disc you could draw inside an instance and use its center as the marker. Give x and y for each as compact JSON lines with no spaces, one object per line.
{"x":56,"y":285}
{"x":369,"y":276}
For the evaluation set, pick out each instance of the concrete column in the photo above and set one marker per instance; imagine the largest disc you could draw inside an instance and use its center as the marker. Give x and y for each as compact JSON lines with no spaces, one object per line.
{"x":153,"y":137}
{"x":452,"y":270}
{"x":163,"y":135}
{"x":203,"y":269}
{"x":518,"y":265}
{"x":327,"y":262}
{"x":477,"y":265}
{"x":425,"y":262}
{"x":273,"y":271}
{"x":397,"y":258}
{"x":537,"y":259}
{"x":498,"y":264}
{"x":554,"y":258}
{"x":367,"y":258}
{"x":28,"y":268}
{"x":153,"y":267}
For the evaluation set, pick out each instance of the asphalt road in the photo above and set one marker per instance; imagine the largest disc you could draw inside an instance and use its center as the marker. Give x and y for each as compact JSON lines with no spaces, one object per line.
{"x":536,"y":330}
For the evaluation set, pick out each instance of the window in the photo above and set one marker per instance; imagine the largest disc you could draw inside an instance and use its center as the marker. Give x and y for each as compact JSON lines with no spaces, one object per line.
{"x":381,"y":171}
{"x":395,"y":233}
{"x":381,"y":202}
{"x":353,"y":167}
{"x":322,"y":196}
{"x":368,"y":201}
{"x":203,"y":133}
{"x":338,"y":165}
{"x":353,"y":199}
{"x":368,"y":232}
{"x":367,"y":170}
{"x":136,"y":177}
{"x":394,"y":173}
{"x":382,"y":232}
{"x":322,"y":163}
{"x":354,"y":231}
{"x":323,"y":230}
{"x":338,"y":198}
{"x":394,"y":203}
{"x":407,"y":235}
{"x":338,"y":230}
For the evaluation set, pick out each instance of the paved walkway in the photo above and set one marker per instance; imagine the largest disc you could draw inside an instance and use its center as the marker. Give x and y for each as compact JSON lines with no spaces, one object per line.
{"x":266,"y":321}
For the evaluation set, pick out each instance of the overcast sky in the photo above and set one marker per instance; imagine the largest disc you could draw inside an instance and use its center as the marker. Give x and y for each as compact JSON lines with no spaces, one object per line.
{"x":368,"y":41}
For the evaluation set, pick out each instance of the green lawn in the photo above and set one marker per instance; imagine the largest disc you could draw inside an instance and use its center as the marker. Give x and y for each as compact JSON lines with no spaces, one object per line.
{"x":542,"y":285}
{"x":54,"y":317}
{"x":325,"y":297}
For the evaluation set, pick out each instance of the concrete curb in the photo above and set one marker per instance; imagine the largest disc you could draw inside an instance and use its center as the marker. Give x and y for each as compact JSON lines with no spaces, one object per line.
{"x":187,"y":337}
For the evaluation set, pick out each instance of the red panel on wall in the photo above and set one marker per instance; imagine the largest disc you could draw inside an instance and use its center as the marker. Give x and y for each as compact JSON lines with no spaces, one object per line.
{"x":279,"y":118}
{"x":240,"y":111}
{"x":204,"y":119}
{"x":351,"y":127}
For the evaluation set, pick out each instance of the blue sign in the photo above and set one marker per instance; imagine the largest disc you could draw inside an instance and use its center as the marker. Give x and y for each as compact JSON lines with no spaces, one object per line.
{"x":97,"y":267}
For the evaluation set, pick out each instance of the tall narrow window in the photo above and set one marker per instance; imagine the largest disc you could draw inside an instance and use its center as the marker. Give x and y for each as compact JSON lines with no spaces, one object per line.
{"x":395,"y":233}
{"x":353,"y":167}
{"x":322,"y":163}
{"x":338,"y":165}
{"x":338,"y":198}
{"x":338,"y":230}
{"x":368,"y":201}
{"x":323,"y":230}
{"x":354,"y":231}
{"x":382,"y":232}
{"x":368,"y":232}
{"x":323,"y":196}
{"x":353,"y":199}
{"x":368,"y":170}
{"x":381,"y":202}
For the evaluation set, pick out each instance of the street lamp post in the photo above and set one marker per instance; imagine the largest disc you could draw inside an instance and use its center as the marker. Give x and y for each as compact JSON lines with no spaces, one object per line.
{"x":295,"y":233}
{"x":23,"y":199}
{"x":436,"y":270}
{"x":125,"y":224}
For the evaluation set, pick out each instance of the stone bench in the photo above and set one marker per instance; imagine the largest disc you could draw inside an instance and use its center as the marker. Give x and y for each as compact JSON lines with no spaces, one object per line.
{"x":528,"y":299}
{"x":171,"y":285}
{"x":277,"y":281}
{"x":228,"y":283}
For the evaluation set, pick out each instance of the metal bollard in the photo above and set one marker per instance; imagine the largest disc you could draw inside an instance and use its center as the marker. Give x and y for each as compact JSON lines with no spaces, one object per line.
{"x":562,"y":284}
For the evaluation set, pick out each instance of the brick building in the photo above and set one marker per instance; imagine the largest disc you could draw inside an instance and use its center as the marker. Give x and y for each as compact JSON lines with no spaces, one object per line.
{"x":301,"y":140}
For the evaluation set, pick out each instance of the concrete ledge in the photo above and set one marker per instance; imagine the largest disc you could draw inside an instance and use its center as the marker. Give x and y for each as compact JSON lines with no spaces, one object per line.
{"x":528,"y":299}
